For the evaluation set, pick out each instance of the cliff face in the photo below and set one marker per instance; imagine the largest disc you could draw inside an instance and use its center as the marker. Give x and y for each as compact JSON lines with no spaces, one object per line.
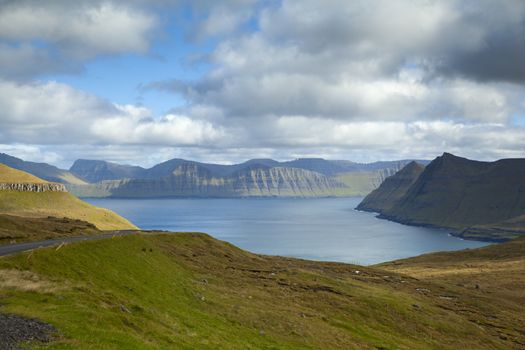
{"x":33,"y":187}
{"x":392,"y":189}
{"x":456,"y":192}
{"x":193,"y":180}
{"x":475,"y":199}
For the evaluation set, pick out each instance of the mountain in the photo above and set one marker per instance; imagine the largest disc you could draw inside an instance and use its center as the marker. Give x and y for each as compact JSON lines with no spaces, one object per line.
{"x":391,"y":189}
{"x":99,"y":170}
{"x":194,"y":180}
{"x":458,"y":193}
{"x":304,"y":177}
{"x":41,"y":170}
{"x":22,"y":194}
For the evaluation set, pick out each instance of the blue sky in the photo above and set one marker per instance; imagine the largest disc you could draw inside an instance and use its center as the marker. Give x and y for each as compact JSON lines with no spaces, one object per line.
{"x":141,"y":81}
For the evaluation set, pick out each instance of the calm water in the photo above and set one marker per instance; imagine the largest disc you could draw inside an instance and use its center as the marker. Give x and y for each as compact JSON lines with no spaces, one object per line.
{"x":318,"y":229}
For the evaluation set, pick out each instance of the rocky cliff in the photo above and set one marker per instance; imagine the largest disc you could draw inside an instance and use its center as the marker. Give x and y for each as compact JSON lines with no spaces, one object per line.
{"x":33,"y":187}
{"x":193,"y":180}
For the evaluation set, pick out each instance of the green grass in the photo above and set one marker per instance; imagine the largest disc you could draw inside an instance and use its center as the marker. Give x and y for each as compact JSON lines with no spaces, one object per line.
{"x":189,"y":291}
{"x":16,"y":229}
{"x":11,"y":175}
{"x":59,"y":204}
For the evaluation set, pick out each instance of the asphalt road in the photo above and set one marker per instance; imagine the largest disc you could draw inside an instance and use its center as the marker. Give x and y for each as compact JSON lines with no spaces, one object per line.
{"x":22,"y":247}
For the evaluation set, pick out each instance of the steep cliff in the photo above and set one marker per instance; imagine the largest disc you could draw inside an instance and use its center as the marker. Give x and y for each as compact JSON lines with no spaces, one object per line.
{"x":392,"y":189}
{"x":193,"y":180}
{"x":33,"y":187}
{"x":470,"y":197}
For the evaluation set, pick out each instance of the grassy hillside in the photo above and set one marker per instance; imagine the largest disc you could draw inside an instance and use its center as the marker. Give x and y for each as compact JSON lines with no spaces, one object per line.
{"x":10,"y":175}
{"x":477,"y":200}
{"x":41,"y":170}
{"x":59,"y":204}
{"x":49,"y":203}
{"x":189,"y":291}
{"x":15,"y":229}
{"x":494,"y":274}
{"x":456,"y":192}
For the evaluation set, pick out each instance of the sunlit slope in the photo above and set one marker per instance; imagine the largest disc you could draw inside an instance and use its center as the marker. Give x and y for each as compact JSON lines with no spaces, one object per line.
{"x":41,"y":170}
{"x":10,"y":175}
{"x":189,"y":291}
{"x":52,"y":203}
{"x":494,"y":274}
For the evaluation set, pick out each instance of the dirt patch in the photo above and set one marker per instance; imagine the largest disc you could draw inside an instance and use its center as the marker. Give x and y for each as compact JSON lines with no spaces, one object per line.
{"x":16,"y":329}
{"x":25,"y":280}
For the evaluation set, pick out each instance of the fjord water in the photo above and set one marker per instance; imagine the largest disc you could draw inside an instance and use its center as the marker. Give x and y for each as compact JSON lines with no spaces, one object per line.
{"x":319,"y":229}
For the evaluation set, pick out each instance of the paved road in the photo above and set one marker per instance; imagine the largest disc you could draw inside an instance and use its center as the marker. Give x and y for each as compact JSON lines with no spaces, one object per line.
{"x":22,"y":247}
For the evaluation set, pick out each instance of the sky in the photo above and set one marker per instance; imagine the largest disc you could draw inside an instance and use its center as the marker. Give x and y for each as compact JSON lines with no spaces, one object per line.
{"x":143,"y":81}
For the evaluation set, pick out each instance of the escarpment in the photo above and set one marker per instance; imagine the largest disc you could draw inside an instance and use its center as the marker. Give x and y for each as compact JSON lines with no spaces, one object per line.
{"x":33,"y":187}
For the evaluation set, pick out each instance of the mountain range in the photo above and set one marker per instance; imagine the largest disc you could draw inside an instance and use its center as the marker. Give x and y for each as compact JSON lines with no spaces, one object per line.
{"x":478,"y":200}
{"x":304,"y":177}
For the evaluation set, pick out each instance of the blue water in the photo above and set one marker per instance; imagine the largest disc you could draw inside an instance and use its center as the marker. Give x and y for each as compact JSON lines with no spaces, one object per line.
{"x":318,"y":229}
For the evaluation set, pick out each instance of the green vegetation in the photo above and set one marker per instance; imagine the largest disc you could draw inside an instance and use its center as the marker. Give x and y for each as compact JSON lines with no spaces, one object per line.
{"x":16,"y":229}
{"x":478,"y":200}
{"x":392,"y":189}
{"x":52,"y":203}
{"x":59,"y":204}
{"x":189,"y":291}
{"x":492,"y":275}
{"x":41,"y":170}
{"x":10,"y":175}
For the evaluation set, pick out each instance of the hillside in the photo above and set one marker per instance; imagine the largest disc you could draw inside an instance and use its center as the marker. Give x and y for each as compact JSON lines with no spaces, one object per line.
{"x":167,"y":291}
{"x":462,"y":195}
{"x":391,"y":189}
{"x":42,"y":199}
{"x":494,"y":274}
{"x":97,"y":170}
{"x":16,"y":229}
{"x":41,"y":170}
{"x":10,"y":175}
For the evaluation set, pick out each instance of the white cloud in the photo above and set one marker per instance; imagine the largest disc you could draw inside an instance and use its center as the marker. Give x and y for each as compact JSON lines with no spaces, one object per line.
{"x":54,"y":113}
{"x":53,"y":33}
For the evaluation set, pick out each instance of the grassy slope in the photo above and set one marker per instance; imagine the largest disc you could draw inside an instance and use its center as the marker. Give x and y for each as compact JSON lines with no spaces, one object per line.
{"x":60,"y":204}
{"x":191,"y":291}
{"x":359,"y":183}
{"x":11,"y":175}
{"x":494,"y":274}
{"x":15,"y":229}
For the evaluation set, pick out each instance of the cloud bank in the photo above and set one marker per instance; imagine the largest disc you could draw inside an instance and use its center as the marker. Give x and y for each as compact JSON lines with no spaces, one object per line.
{"x":361,"y":80}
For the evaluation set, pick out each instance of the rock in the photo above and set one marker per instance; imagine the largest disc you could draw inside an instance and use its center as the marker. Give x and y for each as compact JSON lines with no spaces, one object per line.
{"x":16,"y":329}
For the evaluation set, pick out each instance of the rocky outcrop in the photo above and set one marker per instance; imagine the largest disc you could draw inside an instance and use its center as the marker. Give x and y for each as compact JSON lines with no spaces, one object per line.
{"x":33,"y":187}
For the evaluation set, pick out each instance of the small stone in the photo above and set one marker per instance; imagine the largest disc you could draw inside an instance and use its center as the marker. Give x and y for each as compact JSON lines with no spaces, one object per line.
{"x":124,"y":309}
